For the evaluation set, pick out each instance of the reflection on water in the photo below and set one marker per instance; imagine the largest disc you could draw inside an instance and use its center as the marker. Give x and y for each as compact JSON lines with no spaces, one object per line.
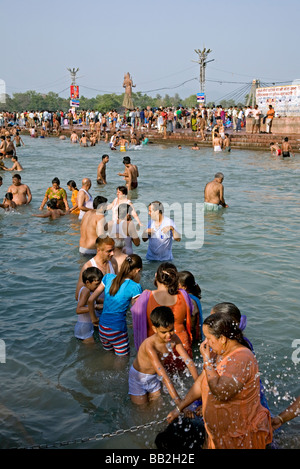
{"x":214,"y":223}
{"x":56,"y":389}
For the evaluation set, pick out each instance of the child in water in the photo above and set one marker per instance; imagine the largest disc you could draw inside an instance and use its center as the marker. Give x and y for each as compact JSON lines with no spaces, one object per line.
{"x":52,"y":211}
{"x":8,"y":203}
{"x":148,"y":366}
{"x":120,"y":291}
{"x":84,"y":328}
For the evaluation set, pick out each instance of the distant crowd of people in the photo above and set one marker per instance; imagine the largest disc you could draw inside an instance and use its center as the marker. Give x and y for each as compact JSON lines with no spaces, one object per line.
{"x":162,"y":119}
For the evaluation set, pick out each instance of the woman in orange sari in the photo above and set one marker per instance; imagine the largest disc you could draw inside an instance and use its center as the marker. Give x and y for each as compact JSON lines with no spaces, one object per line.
{"x":230,"y":390}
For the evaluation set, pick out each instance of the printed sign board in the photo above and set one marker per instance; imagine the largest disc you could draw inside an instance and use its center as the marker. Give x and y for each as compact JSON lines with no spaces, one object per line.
{"x":74,"y":102}
{"x":74,"y":91}
{"x":284,"y":99}
{"x":200,"y":97}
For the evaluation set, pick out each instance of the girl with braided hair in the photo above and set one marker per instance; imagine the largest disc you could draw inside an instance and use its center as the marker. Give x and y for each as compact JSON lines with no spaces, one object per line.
{"x":120,"y":291}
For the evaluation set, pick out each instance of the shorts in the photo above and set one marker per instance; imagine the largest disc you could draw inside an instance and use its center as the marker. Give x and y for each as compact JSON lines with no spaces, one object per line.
{"x":87,"y":252}
{"x":134,"y":185}
{"x":285,"y":154}
{"x":141,"y":383}
{"x":217,"y":148}
{"x":211,"y":207}
{"x":117,"y":341}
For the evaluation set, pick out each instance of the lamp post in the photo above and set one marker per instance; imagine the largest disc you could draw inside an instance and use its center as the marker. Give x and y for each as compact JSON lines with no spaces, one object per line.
{"x":202,"y":61}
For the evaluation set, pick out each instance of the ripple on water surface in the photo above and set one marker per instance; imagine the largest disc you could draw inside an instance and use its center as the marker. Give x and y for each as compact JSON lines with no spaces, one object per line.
{"x":54,"y":388}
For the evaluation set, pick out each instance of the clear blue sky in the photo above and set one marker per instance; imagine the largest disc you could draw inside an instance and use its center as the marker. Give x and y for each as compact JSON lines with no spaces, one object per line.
{"x":153,"y":40}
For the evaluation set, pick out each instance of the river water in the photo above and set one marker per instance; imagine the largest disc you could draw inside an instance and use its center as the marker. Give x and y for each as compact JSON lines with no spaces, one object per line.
{"x":55,"y":389}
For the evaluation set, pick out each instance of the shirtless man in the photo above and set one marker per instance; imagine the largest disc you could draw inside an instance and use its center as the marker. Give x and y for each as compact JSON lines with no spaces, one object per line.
{"x":21,"y":192}
{"x":84,"y":198}
{"x":84,"y":141}
{"x":130,"y":174}
{"x":275,"y":149}
{"x":123,"y":143}
{"x":10,"y":148}
{"x":3,"y":146}
{"x":214,"y":194}
{"x":103,"y":260}
{"x":74,"y":137}
{"x":226,"y":143}
{"x":217,"y":142}
{"x":286,"y":148}
{"x":16,"y":165}
{"x":101,"y":170}
{"x":19,"y":140}
{"x":93,"y":225}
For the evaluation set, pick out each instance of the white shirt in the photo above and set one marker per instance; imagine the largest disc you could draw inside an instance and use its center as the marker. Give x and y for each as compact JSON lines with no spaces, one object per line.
{"x":160,"y":244}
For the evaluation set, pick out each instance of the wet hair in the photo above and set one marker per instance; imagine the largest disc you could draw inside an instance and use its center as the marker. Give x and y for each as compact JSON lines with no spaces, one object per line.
{"x":14,"y":157}
{"x":16,"y":176}
{"x":52,"y":203}
{"x":72,"y":184}
{"x":101,"y":241}
{"x":228,"y":308}
{"x":187,"y":280}
{"x":221,"y":324}
{"x":126,"y":160}
{"x":104,"y":156}
{"x":119,"y":243}
{"x":124,"y":210}
{"x":157,"y":206}
{"x":91,"y":274}
{"x":56,"y":181}
{"x":129,"y":264}
{"x":99,"y":200}
{"x":219,"y":176}
{"x":286,"y":139}
{"x":162,"y":316}
{"x":9,"y":196}
{"x":167,"y":274}
{"x":123,"y":189}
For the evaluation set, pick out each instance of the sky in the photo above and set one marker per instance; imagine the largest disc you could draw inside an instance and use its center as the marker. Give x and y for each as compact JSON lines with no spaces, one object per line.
{"x":154,"y":41}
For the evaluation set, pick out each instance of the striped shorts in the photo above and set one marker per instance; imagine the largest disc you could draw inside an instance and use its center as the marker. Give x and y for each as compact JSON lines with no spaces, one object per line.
{"x":116,"y":341}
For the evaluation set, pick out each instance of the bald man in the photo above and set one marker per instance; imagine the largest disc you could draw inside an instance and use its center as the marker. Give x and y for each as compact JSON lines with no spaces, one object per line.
{"x":84,"y":198}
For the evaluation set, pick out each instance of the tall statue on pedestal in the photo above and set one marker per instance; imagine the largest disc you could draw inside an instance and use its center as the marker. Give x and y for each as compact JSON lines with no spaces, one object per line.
{"x":128,"y":85}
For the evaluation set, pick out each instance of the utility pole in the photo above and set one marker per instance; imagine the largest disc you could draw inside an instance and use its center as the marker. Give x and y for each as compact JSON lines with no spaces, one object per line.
{"x":202,"y":56}
{"x":73,"y":73}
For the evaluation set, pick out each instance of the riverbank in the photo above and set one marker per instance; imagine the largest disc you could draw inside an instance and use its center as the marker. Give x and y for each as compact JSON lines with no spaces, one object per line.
{"x":239,"y":140}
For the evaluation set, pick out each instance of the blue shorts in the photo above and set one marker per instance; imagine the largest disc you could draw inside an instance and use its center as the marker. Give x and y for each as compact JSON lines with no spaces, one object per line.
{"x":141,"y":383}
{"x":116,"y":341}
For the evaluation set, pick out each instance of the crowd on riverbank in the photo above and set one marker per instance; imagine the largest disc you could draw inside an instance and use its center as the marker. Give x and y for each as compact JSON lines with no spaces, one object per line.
{"x":163,"y":119}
